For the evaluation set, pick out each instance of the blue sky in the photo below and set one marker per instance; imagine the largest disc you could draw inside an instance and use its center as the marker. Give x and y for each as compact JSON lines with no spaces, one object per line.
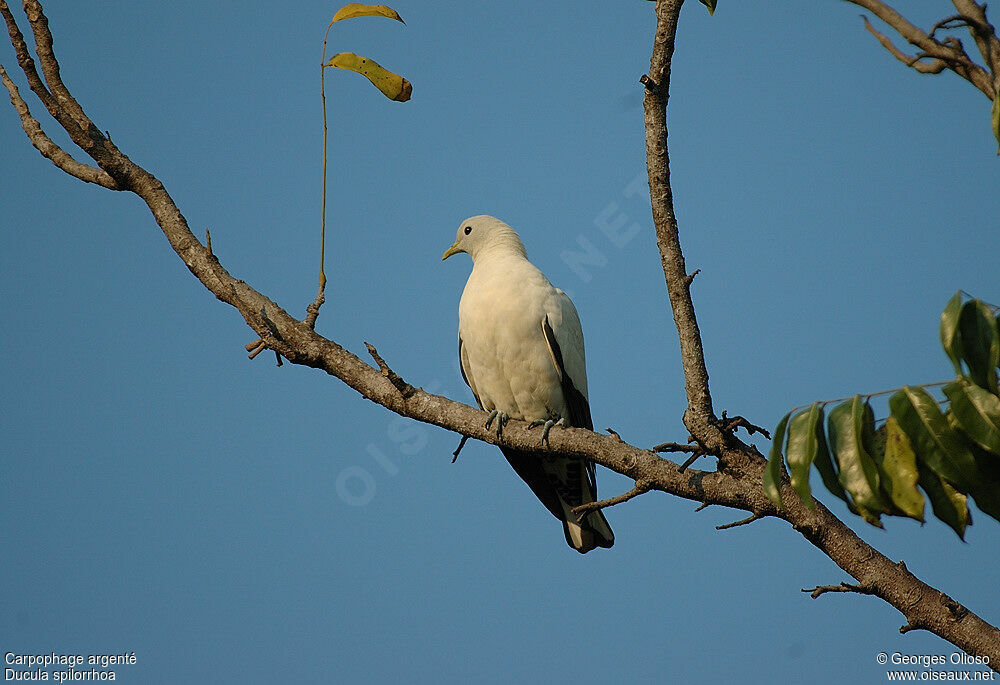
{"x":162,"y":495}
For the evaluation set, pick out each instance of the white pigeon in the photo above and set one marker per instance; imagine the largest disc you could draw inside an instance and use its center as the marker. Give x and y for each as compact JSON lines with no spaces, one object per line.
{"x":521,"y":350}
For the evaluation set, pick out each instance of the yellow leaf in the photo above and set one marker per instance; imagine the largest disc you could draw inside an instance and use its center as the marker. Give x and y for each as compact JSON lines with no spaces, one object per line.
{"x":393,"y":86}
{"x":357,"y":9}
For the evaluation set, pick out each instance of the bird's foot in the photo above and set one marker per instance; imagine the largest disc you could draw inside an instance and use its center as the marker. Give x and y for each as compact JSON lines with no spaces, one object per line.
{"x":501,"y":419}
{"x":546,"y":427}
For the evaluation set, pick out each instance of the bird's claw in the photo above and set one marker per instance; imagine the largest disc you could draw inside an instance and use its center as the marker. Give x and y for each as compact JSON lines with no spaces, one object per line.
{"x":546,"y":427}
{"x":501,"y":419}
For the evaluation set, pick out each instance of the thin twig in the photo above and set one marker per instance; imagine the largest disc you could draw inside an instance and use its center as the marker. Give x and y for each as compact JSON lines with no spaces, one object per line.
{"x":697,"y":451}
{"x":869,"y":395}
{"x":730,"y":424}
{"x":676,"y":447}
{"x":312,"y":311}
{"x":259,"y":347}
{"x":458,"y":449}
{"x":690,"y":460}
{"x":843,"y":587}
{"x":404,"y":388}
{"x":953,"y":22}
{"x":641,"y":487}
{"x":741,"y":522}
{"x":935,"y":67}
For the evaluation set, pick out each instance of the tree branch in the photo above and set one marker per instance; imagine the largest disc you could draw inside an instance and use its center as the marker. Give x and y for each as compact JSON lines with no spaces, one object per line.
{"x":742,"y":522}
{"x":943,"y":54}
{"x":641,"y":488}
{"x":737,"y":486}
{"x":47,"y":147}
{"x":699,"y":416}
{"x":843,"y":587}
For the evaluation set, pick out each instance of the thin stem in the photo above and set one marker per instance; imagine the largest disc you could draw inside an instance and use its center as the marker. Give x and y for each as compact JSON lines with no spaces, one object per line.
{"x":312,"y":311}
{"x":322,"y":233}
{"x":870,"y":395}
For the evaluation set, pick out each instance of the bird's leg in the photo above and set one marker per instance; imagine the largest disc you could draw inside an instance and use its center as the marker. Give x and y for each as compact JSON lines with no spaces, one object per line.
{"x":501,"y":418}
{"x":546,"y":427}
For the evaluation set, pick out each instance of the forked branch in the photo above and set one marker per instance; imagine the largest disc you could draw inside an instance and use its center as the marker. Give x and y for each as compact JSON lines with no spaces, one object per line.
{"x":935,"y":54}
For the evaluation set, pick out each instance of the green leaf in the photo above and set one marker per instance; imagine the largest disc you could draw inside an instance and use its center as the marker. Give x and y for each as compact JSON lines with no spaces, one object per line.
{"x":710,"y":4}
{"x":899,"y":466}
{"x":852,"y":427}
{"x":949,"y":332}
{"x":977,"y":412}
{"x":357,"y":9}
{"x":987,"y":492}
{"x":824,"y":464}
{"x":937,"y":445}
{"x":948,"y":504}
{"x":772,"y":472}
{"x":805,"y":434}
{"x":980,"y":344}
{"x":392,"y":85}
{"x":995,"y":118}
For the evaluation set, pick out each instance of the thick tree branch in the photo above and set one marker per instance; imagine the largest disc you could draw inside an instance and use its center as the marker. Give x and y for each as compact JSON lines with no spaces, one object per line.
{"x":699,"y":416}
{"x":47,"y":147}
{"x":737,"y":486}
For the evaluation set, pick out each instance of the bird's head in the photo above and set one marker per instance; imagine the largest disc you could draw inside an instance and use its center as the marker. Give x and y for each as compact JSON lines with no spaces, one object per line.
{"x":484,"y":233}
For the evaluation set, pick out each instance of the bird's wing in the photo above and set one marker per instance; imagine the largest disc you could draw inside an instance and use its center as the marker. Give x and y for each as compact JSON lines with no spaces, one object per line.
{"x":463,"y":361}
{"x":565,"y":343}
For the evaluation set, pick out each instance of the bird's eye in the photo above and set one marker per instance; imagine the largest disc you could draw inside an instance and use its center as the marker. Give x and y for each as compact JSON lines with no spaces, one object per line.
{"x":468,"y":230}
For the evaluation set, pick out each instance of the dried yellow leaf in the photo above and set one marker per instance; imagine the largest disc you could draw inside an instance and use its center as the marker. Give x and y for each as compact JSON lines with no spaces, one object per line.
{"x":393,"y":86}
{"x":357,"y":9}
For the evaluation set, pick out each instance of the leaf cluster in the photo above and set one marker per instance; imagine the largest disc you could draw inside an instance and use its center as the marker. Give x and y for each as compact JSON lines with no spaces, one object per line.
{"x":947,"y":450}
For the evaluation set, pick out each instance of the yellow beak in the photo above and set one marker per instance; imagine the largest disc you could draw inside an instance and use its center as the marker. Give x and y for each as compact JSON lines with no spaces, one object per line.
{"x":454,"y":249}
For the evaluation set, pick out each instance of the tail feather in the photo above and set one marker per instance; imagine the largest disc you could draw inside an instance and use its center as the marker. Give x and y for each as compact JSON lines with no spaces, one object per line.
{"x":560,"y":495}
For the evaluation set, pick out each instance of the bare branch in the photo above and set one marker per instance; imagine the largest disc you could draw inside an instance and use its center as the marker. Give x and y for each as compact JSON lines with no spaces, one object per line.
{"x":699,"y":416}
{"x":730,"y":424}
{"x":404,"y":388}
{"x":741,"y":522}
{"x":50,"y":66}
{"x":843,"y":587}
{"x":38,"y":87}
{"x":461,"y":444}
{"x":697,"y":451}
{"x":934,"y":67}
{"x":47,"y":147}
{"x":948,"y":54}
{"x":955,"y":21}
{"x":983,"y":33}
{"x":641,"y":487}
